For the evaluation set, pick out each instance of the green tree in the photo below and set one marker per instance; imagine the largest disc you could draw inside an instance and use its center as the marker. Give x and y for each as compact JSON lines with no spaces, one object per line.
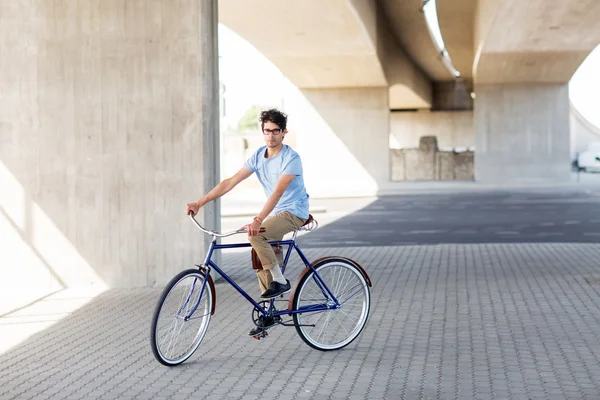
{"x":249,"y":121}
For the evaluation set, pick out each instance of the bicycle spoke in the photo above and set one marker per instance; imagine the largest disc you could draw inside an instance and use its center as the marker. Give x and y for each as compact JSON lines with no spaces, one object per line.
{"x":200,"y":316}
{"x":356,"y":293}
{"x":342,"y":325}
{"x":340,"y":280}
{"x":347,"y":315}
{"x":173,"y":336}
{"x":343,"y":290}
{"x":325,"y":325}
{"x":173,"y":324}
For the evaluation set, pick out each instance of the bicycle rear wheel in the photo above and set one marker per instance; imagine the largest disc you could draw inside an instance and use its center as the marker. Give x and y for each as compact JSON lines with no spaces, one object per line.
{"x":333,"y":328}
{"x":181,"y":317}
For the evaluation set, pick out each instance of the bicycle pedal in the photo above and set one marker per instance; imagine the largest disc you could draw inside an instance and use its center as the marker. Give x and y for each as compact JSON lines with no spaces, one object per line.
{"x":261,"y":335}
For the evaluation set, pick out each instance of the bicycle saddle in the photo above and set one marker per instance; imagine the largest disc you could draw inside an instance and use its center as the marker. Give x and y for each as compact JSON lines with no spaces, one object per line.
{"x":309,"y":220}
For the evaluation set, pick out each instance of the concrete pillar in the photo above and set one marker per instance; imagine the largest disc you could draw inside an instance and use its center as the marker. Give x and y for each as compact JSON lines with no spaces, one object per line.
{"x":522,"y":133}
{"x":342,"y":136}
{"x":108,"y":127}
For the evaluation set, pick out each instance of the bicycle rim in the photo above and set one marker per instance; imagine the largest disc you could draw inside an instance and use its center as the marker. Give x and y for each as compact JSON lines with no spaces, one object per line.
{"x":336,"y":328}
{"x":181,"y":318}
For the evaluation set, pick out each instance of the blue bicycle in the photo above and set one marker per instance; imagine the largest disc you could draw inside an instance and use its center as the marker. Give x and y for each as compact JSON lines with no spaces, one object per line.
{"x":329,"y":306}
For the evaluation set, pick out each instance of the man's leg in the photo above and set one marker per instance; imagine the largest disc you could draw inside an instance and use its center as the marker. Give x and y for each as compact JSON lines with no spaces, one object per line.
{"x":264,"y":279}
{"x":275,"y":228}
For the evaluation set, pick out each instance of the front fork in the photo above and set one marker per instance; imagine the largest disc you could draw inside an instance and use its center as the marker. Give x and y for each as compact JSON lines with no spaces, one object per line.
{"x":206,"y":269}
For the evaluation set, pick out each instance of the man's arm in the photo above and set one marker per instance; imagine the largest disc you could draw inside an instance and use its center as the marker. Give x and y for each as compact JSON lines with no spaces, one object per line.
{"x":224,"y":186}
{"x":221,"y":189}
{"x":272,"y":201}
{"x":279,"y":190}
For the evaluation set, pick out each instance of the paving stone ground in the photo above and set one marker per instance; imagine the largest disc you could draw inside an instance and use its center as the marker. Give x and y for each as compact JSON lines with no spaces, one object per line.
{"x":448,"y":321}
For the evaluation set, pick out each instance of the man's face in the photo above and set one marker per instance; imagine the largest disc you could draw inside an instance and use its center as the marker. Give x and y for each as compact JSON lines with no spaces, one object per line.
{"x":273,"y":134}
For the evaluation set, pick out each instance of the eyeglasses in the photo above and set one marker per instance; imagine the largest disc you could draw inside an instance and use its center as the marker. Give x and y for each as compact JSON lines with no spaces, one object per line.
{"x":273,"y":132}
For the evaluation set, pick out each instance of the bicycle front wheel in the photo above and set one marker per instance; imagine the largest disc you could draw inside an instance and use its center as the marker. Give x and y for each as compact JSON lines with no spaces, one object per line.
{"x":332,"y":329}
{"x":181,"y":317}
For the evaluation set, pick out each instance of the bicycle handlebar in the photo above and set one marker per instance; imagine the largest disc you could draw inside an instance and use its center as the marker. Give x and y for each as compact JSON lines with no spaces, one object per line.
{"x":217,"y":234}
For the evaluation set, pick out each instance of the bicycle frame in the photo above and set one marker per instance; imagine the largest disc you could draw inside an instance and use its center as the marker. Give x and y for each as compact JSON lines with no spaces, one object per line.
{"x":208,"y":263}
{"x":191,"y":295}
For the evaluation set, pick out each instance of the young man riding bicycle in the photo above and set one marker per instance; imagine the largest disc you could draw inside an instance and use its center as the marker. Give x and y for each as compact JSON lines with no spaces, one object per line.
{"x":279,"y":170}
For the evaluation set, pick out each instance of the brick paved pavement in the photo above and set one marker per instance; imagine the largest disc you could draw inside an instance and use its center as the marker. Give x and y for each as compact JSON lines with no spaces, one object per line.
{"x":504,"y":321}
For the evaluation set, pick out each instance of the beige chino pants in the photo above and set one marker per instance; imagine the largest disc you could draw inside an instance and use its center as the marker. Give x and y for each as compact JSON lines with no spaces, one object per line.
{"x":276,"y":227}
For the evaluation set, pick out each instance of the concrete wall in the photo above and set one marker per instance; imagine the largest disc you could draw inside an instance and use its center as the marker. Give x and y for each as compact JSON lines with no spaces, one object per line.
{"x":342,"y":136}
{"x":453,"y":129}
{"x":428,"y":163}
{"x":522,"y":133}
{"x":108,"y":127}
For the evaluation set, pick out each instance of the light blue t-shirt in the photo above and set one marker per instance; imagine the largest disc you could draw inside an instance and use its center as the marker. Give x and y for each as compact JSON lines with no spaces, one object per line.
{"x":269,"y":170}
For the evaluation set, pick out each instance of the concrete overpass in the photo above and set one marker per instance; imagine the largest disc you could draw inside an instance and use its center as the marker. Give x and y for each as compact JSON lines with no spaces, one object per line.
{"x":355,"y":60}
{"x":108,"y":122}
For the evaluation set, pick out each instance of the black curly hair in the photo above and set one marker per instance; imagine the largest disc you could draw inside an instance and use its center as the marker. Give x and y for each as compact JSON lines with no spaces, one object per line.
{"x":275,"y":116}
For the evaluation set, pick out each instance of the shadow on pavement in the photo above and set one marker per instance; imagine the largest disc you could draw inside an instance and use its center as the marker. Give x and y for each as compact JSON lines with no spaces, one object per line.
{"x":571,"y":216}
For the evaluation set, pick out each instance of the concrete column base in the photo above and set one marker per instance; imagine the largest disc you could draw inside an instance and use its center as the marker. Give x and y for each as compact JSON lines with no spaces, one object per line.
{"x":522,"y":133}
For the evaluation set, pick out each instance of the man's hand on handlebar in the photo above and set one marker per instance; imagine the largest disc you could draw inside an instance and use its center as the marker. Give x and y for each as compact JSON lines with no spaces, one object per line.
{"x":246,"y":228}
{"x":253,"y":228}
{"x":192,"y":208}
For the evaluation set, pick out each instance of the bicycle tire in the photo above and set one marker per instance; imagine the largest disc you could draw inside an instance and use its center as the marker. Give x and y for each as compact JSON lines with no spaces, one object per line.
{"x":329,"y":270}
{"x":178,"y":322}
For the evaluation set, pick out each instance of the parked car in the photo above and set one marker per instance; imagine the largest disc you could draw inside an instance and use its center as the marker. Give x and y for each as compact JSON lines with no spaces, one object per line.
{"x":589,"y":160}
